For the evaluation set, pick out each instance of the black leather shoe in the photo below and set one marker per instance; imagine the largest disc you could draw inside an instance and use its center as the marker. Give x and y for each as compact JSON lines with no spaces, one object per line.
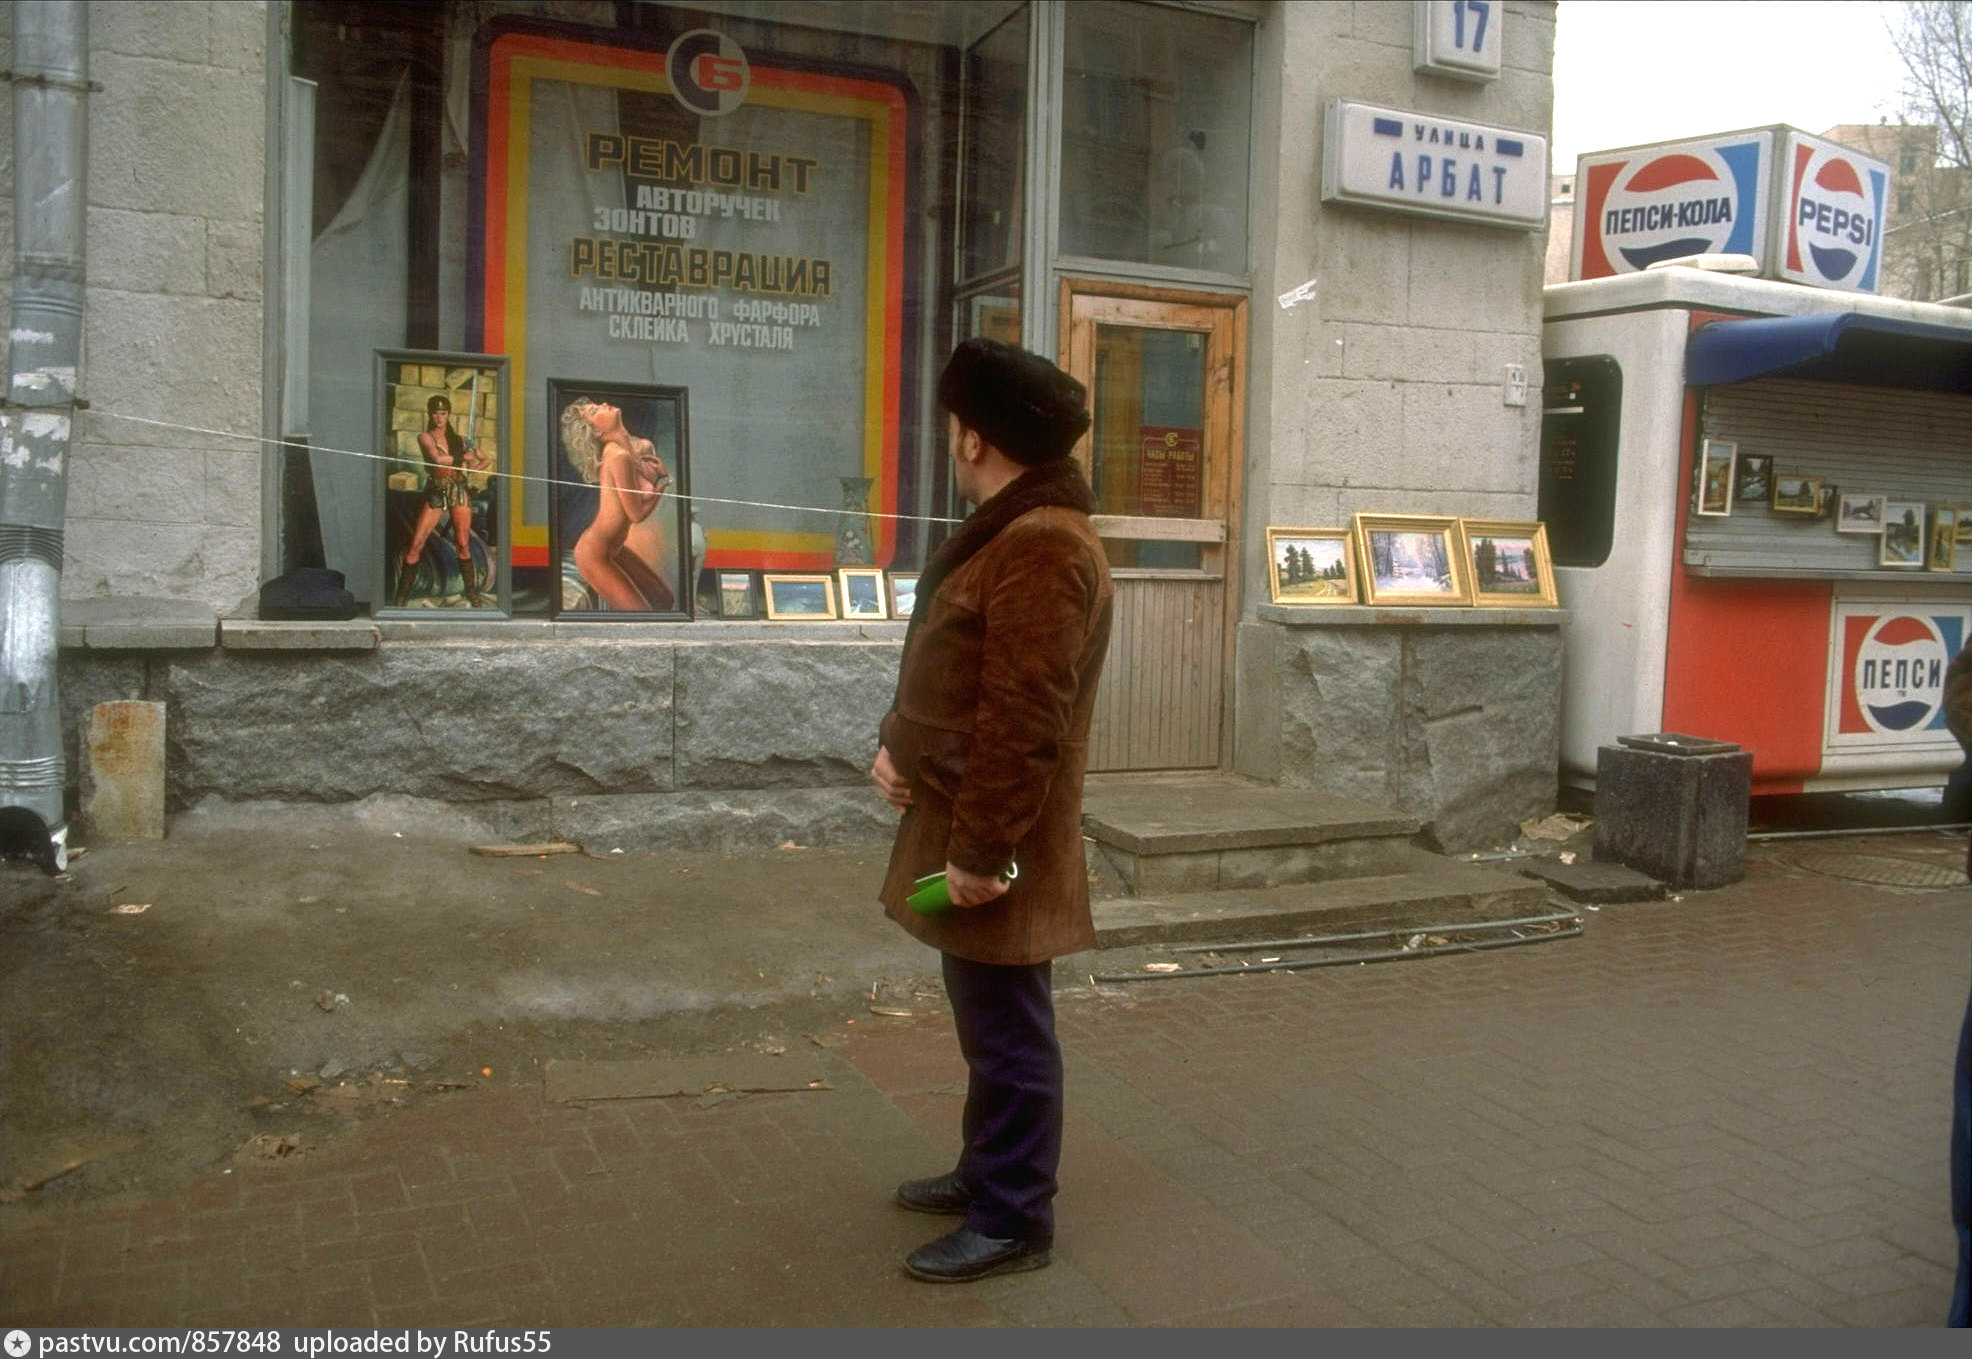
{"x":965,"y":1255}
{"x":939,"y":1194}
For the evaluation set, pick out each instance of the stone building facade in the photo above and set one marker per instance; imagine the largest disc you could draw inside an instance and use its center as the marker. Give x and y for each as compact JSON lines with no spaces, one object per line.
{"x":1380,"y":362}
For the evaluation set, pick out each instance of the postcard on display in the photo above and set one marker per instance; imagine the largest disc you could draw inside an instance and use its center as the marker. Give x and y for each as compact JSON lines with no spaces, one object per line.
{"x":1859,"y":513}
{"x":795,"y":597}
{"x":441,"y":423}
{"x":1796,"y":495}
{"x":739,"y":594}
{"x":1311,"y":566}
{"x":862,"y":592}
{"x":903,"y":593}
{"x":1944,"y":538}
{"x":1753,"y":476}
{"x":1903,"y":534}
{"x":1715,"y":469}
{"x":618,"y":534}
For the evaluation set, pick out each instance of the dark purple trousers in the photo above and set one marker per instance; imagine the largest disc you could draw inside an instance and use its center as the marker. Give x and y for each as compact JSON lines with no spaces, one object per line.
{"x":1005,"y":1019}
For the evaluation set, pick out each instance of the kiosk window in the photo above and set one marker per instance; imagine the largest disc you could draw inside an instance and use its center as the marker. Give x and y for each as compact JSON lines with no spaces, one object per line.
{"x":1581,"y":422}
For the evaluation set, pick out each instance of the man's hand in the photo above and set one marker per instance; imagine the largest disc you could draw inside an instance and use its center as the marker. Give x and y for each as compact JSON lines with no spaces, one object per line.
{"x":970,"y":889}
{"x":895,"y":788}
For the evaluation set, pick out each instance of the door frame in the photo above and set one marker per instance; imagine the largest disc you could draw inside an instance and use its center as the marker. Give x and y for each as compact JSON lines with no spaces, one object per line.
{"x":1139,"y":304}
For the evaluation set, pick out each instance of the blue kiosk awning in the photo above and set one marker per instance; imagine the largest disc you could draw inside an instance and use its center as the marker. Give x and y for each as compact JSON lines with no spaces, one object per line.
{"x":1843,"y":346}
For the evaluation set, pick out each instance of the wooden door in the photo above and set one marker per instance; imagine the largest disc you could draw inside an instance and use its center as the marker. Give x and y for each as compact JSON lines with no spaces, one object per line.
{"x":1165,"y":373}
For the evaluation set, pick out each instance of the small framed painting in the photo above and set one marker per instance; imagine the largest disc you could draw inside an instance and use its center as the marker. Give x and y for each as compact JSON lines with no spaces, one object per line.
{"x":1311,"y":566}
{"x":862,"y":592}
{"x":441,"y":429}
{"x":1903,"y":534}
{"x":903,"y":593}
{"x":1411,"y":559}
{"x":792,"y":597}
{"x":739,"y":594}
{"x":1753,"y":476}
{"x":1508,"y":562}
{"x":1859,"y":513}
{"x":1796,"y":495}
{"x":1944,"y":538}
{"x":1715,"y":469}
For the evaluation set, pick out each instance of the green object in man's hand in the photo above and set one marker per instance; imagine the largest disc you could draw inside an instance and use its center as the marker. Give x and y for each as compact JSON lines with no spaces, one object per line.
{"x":933,"y":894}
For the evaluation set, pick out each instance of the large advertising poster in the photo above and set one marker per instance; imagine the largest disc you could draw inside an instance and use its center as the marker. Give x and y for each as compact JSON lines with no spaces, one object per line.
{"x":677,"y":212}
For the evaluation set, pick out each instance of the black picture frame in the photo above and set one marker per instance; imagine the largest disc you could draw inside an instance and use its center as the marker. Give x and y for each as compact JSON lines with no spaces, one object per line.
{"x":738,"y":594}
{"x":633,"y":563}
{"x":418,"y":495}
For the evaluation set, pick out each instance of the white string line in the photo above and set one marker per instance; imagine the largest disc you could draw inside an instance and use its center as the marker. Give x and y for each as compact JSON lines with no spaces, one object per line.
{"x":513,"y":476}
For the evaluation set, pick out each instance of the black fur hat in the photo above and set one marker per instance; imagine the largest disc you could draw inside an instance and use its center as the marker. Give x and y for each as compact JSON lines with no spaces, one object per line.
{"x":1019,"y":402}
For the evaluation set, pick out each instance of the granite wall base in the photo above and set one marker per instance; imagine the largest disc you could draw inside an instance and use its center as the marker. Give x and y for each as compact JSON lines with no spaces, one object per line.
{"x":1457,"y":725}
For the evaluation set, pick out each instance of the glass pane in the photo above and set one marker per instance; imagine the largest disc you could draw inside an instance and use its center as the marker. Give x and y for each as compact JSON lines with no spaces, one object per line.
{"x":1148,"y":449}
{"x":1155,"y":112}
{"x":994,"y":152}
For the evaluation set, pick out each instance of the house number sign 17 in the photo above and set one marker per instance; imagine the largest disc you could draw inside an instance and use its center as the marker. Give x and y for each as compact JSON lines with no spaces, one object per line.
{"x":1461,"y":39}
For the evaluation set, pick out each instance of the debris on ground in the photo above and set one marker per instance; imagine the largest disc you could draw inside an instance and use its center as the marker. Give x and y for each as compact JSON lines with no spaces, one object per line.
{"x":14,"y":1194}
{"x":1163,"y":967}
{"x":131,"y":908}
{"x":272,"y":1146}
{"x":732,"y":1073}
{"x":329,"y":1001}
{"x":527,"y":851}
{"x":891,"y":1011}
{"x":1560,"y":826}
{"x":574,"y":886}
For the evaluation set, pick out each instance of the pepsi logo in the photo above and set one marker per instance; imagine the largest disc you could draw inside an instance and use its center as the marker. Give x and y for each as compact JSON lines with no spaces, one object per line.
{"x":1836,"y":217}
{"x":708,"y":72}
{"x":1899,"y":673}
{"x":1682,"y":203}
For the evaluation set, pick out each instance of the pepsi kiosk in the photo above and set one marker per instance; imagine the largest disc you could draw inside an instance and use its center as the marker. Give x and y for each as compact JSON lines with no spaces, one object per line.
{"x":1755,"y":473}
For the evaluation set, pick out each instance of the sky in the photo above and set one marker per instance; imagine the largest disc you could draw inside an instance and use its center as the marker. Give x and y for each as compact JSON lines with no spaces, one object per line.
{"x":1628,"y":72}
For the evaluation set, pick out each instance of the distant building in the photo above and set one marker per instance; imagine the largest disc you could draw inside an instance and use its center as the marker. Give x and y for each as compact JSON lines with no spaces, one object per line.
{"x":1560,"y":226}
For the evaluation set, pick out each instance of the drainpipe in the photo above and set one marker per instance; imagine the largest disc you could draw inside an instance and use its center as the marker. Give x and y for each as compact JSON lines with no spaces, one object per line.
{"x":51,"y":146}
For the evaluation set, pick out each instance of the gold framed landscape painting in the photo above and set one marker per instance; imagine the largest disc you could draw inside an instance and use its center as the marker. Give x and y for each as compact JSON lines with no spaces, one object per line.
{"x":1411,"y":559}
{"x":1509,"y":563}
{"x":1311,"y":566}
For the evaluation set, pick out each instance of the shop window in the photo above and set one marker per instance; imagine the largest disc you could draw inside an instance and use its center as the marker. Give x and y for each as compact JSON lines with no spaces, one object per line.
{"x":993,"y":150}
{"x":1581,"y":429}
{"x":727,"y":202}
{"x":1156,"y":110}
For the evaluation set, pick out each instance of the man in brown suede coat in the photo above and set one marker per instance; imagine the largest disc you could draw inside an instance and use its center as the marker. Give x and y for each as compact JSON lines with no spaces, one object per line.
{"x":984,"y":753}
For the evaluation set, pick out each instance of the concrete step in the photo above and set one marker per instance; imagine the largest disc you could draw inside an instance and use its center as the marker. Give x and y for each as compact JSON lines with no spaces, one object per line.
{"x":1430,"y":891}
{"x":1215,"y":833}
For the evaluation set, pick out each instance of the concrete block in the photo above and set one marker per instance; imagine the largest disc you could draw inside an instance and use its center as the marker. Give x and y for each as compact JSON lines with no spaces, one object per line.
{"x":1458,"y":437}
{"x":1166,"y":874}
{"x":141,"y":363}
{"x":200,"y":563}
{"x":731,"y":822}
{"x":1282,"y":865}
{"x":173,"y":30}
{"x":1476,"y":278}
{"x":88,"y":678}
{"x":123,"y":771}
{"x":139,"y":157}
{"x":1405,"y":353}
{"x":239,"y":34}
{"x":1364,"y":262}
{"x":145,"y":483}
{"x":233,"y":259}
{"x":281,"y":634}
{"x":1350,"y":430}
{"x":231,"y":487}
{"x":781,"y":714}
{"x":141,"y":623}
{"x":146,"y":252}
{"x":1679,"y":818}
{"x":457,"y":722}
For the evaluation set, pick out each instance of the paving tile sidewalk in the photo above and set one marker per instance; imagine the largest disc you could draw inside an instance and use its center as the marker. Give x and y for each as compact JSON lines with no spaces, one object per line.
{"x":1725,"y":1111}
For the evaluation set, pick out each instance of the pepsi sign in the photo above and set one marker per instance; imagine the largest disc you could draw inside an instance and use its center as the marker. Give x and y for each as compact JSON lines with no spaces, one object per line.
{"x":1889,"y":671}
{"x":1637,"y":208}
{"x":1831,"y":225}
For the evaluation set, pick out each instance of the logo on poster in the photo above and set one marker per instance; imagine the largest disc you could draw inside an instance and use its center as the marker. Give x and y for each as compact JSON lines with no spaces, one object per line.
{"x":1896,"y":672}
{"x":708,"y":72}
{"x":1836,"y":220}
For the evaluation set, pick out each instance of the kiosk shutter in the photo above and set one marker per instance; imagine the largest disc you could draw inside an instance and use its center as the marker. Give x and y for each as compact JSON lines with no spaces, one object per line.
{"x":1907,"y":446}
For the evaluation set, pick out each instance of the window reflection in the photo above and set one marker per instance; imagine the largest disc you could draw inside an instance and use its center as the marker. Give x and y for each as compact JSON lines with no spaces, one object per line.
{"x":1154,"y":136}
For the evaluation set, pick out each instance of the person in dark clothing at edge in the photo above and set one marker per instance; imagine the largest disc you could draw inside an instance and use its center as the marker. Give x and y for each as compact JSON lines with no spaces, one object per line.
{"x":1958,"y":715}
{"x":983,"y":752}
